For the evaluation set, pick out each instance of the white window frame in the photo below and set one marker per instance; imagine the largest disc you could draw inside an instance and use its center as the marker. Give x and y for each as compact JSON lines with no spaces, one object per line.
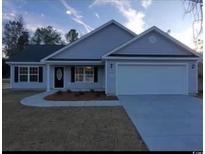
{"x":28,"y":74}
{"x":19,"y":74}
{"x":37,"y":74}
{"x":84,"y":74}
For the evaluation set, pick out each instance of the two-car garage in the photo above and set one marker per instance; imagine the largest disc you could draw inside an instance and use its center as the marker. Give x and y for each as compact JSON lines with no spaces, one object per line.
{"x":151,"y":78}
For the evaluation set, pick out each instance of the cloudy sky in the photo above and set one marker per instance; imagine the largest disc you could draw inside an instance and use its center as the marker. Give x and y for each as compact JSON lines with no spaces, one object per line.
{"x":86,"y":15}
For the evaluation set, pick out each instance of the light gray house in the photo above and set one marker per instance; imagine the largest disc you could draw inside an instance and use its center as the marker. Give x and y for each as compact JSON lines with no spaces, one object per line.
{"x":113,"y":59}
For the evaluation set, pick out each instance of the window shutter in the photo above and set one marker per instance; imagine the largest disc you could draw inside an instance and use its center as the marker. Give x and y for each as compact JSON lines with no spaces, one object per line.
{"x":72,"y":74}
{"x":16,"y":74}
{"x":95,"y":74}
{"x":40,"y":77}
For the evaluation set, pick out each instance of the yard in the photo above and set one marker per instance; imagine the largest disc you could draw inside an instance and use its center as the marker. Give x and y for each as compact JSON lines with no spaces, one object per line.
{"x":65,"y":129}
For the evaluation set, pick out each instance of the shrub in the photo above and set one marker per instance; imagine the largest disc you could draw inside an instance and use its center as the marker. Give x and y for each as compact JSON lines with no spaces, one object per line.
{"x":69,"y":91}
{"x":77,"y":94}
{"x":98,"y":94}
{"x":81,"y":93}
{"x":59,"y":92}
{"x":92,"y":90}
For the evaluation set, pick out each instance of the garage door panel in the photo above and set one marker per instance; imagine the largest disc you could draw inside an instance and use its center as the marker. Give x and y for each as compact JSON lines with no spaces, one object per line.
{"x":151,"y":79}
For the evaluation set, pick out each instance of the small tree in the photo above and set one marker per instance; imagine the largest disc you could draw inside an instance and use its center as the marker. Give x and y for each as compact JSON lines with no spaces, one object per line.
{"x":23,"y":40}
{"x":15,"y":36}
{"x":71,"y":36}
{"x":46,"y":35}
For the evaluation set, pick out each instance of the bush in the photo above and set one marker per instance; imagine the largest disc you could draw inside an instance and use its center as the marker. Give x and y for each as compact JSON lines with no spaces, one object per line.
{"x":69,"y":91}
{"x":92,"y":90}
{"x":81,"y":93}
{"x":59,"y":92}
{"x":98,"y":94}
{"x":77,"y":94}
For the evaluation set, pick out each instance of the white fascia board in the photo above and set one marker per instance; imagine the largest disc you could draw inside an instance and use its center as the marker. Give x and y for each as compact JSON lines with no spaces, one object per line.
{"x":176,"y":41}
{"x":73,"y":62}
{"x":32,"y":63}
{"x":89,"y":34}
{"x":151,"y":58}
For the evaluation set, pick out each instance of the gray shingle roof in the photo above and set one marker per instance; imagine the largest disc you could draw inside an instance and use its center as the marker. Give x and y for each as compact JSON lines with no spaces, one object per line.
{"x":34,"y":53}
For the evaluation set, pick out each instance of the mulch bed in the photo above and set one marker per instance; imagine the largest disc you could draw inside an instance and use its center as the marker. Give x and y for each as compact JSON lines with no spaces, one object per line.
{"x":79,"y":96}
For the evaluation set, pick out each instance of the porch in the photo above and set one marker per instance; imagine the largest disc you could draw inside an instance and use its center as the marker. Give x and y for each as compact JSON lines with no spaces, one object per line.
{"x":75,"y":77}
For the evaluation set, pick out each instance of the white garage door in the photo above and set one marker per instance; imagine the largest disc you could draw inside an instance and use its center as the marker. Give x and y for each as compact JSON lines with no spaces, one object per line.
{"x":151,"y":79}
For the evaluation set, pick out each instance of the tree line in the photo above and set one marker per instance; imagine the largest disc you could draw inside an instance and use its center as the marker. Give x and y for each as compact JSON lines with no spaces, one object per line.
{"x":16,"y":36}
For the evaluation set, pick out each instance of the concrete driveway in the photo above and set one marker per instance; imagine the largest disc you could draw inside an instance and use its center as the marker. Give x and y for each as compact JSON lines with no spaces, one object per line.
{"x":167,"y":122}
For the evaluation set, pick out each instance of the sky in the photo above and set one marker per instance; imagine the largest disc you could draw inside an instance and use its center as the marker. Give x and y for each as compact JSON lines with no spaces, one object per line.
{"x":86,"y":15}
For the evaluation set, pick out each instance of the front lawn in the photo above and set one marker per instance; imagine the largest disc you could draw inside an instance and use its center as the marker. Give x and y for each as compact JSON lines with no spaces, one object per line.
{"x":65,"y":129}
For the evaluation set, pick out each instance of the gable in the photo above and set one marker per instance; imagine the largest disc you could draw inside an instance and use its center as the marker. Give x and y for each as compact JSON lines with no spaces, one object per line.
{"x":97,"y":44}
{"x":153,"y":43}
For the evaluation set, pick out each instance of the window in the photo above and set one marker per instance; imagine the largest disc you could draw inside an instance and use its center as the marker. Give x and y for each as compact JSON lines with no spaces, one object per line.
{"x":79,"y":74}
{"x":89,"y":74}
{"x":28,"y":73}
{"x":23,"y":74}
{"x":33,"y":74}
{"x":84,"y":74}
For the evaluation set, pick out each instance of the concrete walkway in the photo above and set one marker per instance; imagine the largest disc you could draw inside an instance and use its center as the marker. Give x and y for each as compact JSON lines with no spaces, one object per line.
{"x":167,"y":122}
{"x":39,"y":101}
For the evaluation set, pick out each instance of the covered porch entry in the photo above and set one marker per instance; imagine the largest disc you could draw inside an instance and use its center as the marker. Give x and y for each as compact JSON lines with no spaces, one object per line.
{"x":75,"y":76}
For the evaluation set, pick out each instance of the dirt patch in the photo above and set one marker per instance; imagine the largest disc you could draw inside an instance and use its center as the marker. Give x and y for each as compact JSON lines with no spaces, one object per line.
{"x":79,"y":96}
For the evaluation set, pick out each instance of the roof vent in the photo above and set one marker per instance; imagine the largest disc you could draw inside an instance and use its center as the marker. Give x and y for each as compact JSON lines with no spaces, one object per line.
{"x":152,"y":39}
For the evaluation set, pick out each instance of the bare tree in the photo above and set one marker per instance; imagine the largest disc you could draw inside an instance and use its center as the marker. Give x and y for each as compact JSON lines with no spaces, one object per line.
{"x":195,"y":8}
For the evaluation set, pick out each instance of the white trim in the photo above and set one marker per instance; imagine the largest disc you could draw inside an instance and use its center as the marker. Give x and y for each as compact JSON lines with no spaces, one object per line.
{"x":121,"y":63}
{"x":89,"y":34}
{"x":63,"y":77}
{"x":105,"y":77}
{"x":28,"y":74}
{"x":48,"y":77}
{"x":152,"y":58}
{"x":34,"y":74}
{"x":196,"y":67}
{"x":147,"y":31}
{"x":11,"y":75}
{"x":73,"y":62}
{"x":25,"y":63}
{"x":84,"y":74}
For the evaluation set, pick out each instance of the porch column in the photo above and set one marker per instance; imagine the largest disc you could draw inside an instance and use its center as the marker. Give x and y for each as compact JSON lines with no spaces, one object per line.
{"x":11,"y":75}
{"x":48,"y":78}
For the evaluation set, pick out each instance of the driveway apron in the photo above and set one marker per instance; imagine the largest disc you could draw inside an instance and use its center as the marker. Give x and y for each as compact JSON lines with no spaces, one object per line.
{"x":167,"y":122}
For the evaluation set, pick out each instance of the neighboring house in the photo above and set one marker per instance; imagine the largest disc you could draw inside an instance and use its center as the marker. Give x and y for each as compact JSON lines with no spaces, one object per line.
{"x":113,"y":59}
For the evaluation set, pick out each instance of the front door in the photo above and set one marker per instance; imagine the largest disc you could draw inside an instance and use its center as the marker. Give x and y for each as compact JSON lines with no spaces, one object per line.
{"x":59,"y":77}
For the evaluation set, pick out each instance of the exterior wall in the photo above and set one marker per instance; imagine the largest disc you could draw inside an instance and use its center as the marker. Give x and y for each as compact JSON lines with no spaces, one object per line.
{"x":98,"y":44}
{"x":27,"y":85}
{"x":100,"y":85}
{"x":153,"y":43}
{"x":111,"y":74}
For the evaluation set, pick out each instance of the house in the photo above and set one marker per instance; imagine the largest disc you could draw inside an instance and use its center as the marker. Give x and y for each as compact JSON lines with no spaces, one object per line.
{"x":113,"y":59}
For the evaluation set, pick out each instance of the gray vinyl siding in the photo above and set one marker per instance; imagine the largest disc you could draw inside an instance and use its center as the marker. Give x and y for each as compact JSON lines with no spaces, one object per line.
{"x":96,"y":45}
{"x":100,"y":85}
{"x":111,"y":74}
{"x":160,"y":46}
{"x":28,"y":85}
